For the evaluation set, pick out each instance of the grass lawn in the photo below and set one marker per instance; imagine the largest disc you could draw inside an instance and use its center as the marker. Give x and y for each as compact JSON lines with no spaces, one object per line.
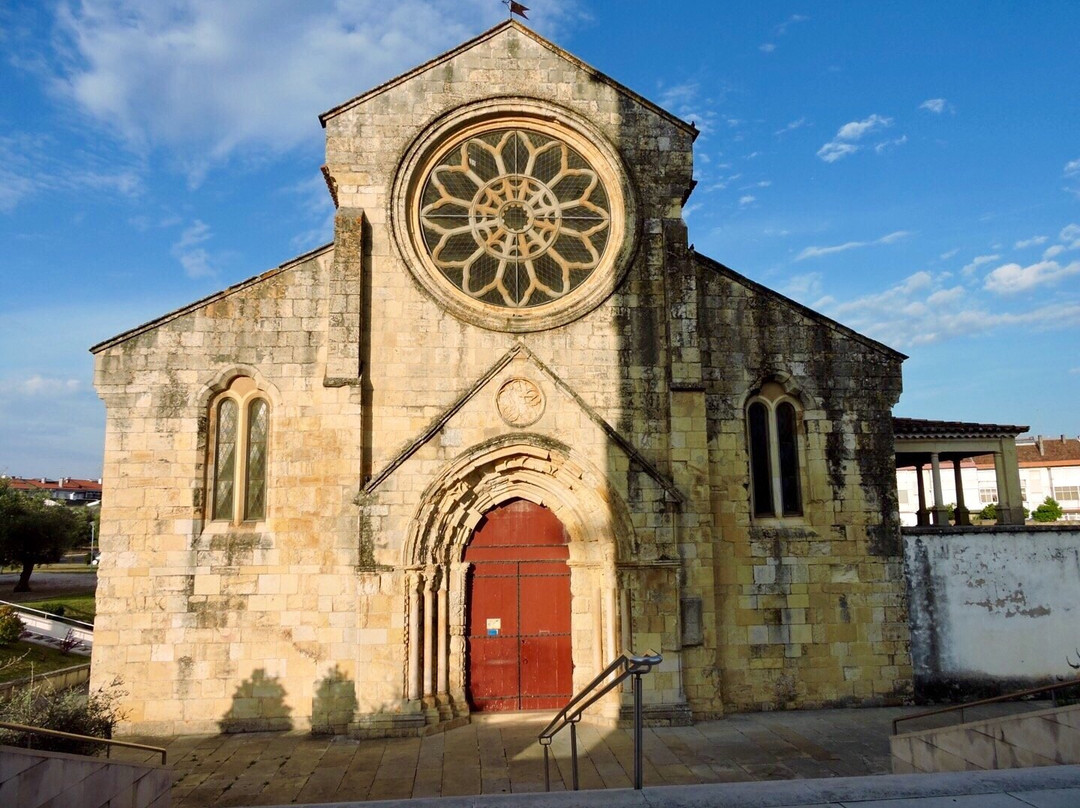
{"x":77,"y":607}
{"x":38,"y":659}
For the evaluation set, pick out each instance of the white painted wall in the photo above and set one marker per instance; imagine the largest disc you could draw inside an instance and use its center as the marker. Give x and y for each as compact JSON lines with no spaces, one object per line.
{"x":1037,"y":483}
{"x":993,"y":603}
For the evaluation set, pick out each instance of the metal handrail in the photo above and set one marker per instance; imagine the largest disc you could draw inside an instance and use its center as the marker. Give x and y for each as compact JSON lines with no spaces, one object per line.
{"x":1019,"y":694}
{"x":59,"y":618}
{"x":631,"y":666}
{"x":72,"y":736}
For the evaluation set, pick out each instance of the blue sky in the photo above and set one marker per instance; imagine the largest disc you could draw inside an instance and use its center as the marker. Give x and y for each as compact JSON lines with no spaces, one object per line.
{"x":911,"y":169}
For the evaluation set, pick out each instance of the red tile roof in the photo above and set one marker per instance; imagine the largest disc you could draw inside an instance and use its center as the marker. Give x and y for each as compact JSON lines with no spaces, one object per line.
{"x":914,"y":428}
{"x":1042,"y":451}
{"x":45,"y":484}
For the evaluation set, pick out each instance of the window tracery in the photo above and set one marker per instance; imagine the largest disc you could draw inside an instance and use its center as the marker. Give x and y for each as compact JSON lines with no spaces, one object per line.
{"x":515,"y":218}
{"x":773,"y":419}
{"x":240,"y":426}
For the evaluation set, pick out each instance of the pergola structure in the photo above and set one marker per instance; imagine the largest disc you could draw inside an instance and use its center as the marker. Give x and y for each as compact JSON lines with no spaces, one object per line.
{"x":919,"y":442}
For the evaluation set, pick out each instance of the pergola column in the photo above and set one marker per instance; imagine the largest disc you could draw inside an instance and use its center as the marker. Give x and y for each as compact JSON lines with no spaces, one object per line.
{"x":922,"y":515}
{"x":941,"y":512}
{"x":1010,"y":507}
{"x":963,"y":515}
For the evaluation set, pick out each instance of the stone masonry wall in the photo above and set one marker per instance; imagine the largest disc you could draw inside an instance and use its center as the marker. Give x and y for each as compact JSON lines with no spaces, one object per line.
{"x":813,"y":610}
{"x":211,"y":626}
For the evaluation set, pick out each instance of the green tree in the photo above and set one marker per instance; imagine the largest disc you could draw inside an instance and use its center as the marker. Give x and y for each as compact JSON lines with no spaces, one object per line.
{"x":1049,"y":511}
{"x":36,"y":531}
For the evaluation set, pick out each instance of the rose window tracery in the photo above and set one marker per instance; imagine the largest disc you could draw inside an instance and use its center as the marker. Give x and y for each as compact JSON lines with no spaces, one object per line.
{"x":514,"y":218}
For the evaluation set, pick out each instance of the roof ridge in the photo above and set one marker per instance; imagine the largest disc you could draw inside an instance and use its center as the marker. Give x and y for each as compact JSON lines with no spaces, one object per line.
{"x":489,"y":34}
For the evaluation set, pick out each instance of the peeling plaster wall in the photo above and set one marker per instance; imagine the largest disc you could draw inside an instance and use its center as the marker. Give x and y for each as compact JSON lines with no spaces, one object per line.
{"x":992,"y":609}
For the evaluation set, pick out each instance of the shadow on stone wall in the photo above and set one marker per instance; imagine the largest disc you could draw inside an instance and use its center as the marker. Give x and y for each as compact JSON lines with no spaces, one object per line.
{"x":334,"y":705}
{"x":258,"y":705}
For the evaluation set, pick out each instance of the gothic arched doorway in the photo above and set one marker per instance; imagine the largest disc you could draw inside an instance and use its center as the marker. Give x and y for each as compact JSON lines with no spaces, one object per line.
{"x":518,"y":629}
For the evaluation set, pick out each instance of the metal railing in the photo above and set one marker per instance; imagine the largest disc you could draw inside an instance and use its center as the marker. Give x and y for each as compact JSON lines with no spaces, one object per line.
{"x":627,"y":666}
{"x":55,"y":733}
{"x":1019,"y":694}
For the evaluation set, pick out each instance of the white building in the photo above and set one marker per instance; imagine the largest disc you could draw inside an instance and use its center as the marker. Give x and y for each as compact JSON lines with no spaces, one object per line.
{"x":1049,"y":467}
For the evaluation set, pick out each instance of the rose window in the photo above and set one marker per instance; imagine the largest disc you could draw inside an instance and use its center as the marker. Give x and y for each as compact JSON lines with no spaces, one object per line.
{"x":514,"y":218}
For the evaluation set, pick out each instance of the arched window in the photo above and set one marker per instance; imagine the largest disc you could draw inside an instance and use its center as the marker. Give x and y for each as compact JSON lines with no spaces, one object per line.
{"x":772,"y":420}
{"x":240,"y":425}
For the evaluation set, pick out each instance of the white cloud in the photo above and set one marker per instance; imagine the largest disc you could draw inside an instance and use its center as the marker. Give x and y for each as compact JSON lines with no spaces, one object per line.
{"x":817,"y":252}
{"x":767,"y":47}
{"x":1053,"y":251}
{"x":945,"y":256}
{"x":193,"y":257}
{"x":1072,"y":168}
{"x":935,"y":105}
{"x":1034,"y":241}
{"x":745,"y":201}
{"x":833,"y":151}
{"x":918,"y":312}
{"x":804,"y":288}
{"x":842,"y":145}
{"x":687,"y":102}
{"x":1070,"y":236}
{"x":203,"y":77}
{"x":885,"y":145}
{"x":1012,"y":278}
{"x":796,"y":124}
{"x":857,"y":129}
{"x":953,"y":295}
{"x":976,"y":262}
{"x":38,"y":385}
{"x":32,"y":164}
{"x":782,"y":28}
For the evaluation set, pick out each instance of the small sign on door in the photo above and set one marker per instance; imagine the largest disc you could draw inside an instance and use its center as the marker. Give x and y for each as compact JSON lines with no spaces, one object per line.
{"x":494,"y":626}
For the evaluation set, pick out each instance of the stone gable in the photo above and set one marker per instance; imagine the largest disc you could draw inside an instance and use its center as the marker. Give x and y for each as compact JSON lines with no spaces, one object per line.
{"x":403,"y":408}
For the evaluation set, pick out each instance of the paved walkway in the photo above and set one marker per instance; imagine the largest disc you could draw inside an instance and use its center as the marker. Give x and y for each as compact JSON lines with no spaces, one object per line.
{"x":498,"y":754}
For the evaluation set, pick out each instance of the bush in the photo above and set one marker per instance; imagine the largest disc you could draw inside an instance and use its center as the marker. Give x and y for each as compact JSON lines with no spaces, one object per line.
{"x":11,"y":626}
{"x":72,"y":711}
{"x":1049,"y":511}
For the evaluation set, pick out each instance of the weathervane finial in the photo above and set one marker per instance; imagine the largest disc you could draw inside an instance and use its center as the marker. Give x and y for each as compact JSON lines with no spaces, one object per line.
{"x":516,"y":8}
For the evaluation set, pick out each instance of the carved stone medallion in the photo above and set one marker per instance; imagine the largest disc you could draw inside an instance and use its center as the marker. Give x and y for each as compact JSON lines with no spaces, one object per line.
{"x":520,"y":402}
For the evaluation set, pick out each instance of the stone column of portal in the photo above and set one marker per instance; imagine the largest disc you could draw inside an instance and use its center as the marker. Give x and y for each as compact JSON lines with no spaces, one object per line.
{"x":625,"y":623}
{"x":922,"y":516}
{"x":963,"y":515}
{"x":941,"y":513}
{"x":598,"y":631}
{"x":442,"y":695}
{"x":626,"y":635}
{"x":459,"y":572}
{"x":429,"y":646}
{"x":429,"y":634}
{"x":610,"y":625}
{"x":412,"y":581}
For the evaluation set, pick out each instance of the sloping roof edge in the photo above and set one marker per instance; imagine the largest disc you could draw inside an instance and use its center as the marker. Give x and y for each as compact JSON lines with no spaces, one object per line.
{"x":180,"y":312}
{"x":922,"y":428}
{"x":715,"y":265}
{"x":490,"y":33}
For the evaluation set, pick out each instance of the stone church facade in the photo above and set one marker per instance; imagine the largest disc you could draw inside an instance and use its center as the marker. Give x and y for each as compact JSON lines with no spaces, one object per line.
{"x":352,"y":493}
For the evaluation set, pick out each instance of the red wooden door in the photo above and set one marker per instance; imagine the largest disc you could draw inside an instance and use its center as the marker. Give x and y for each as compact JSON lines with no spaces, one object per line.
{"x":519,"y":611}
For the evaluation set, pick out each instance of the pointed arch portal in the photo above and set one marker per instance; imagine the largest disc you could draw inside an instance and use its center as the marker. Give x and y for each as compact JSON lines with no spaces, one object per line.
{"x":518,"y":624}
{"x":568,"y":517}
